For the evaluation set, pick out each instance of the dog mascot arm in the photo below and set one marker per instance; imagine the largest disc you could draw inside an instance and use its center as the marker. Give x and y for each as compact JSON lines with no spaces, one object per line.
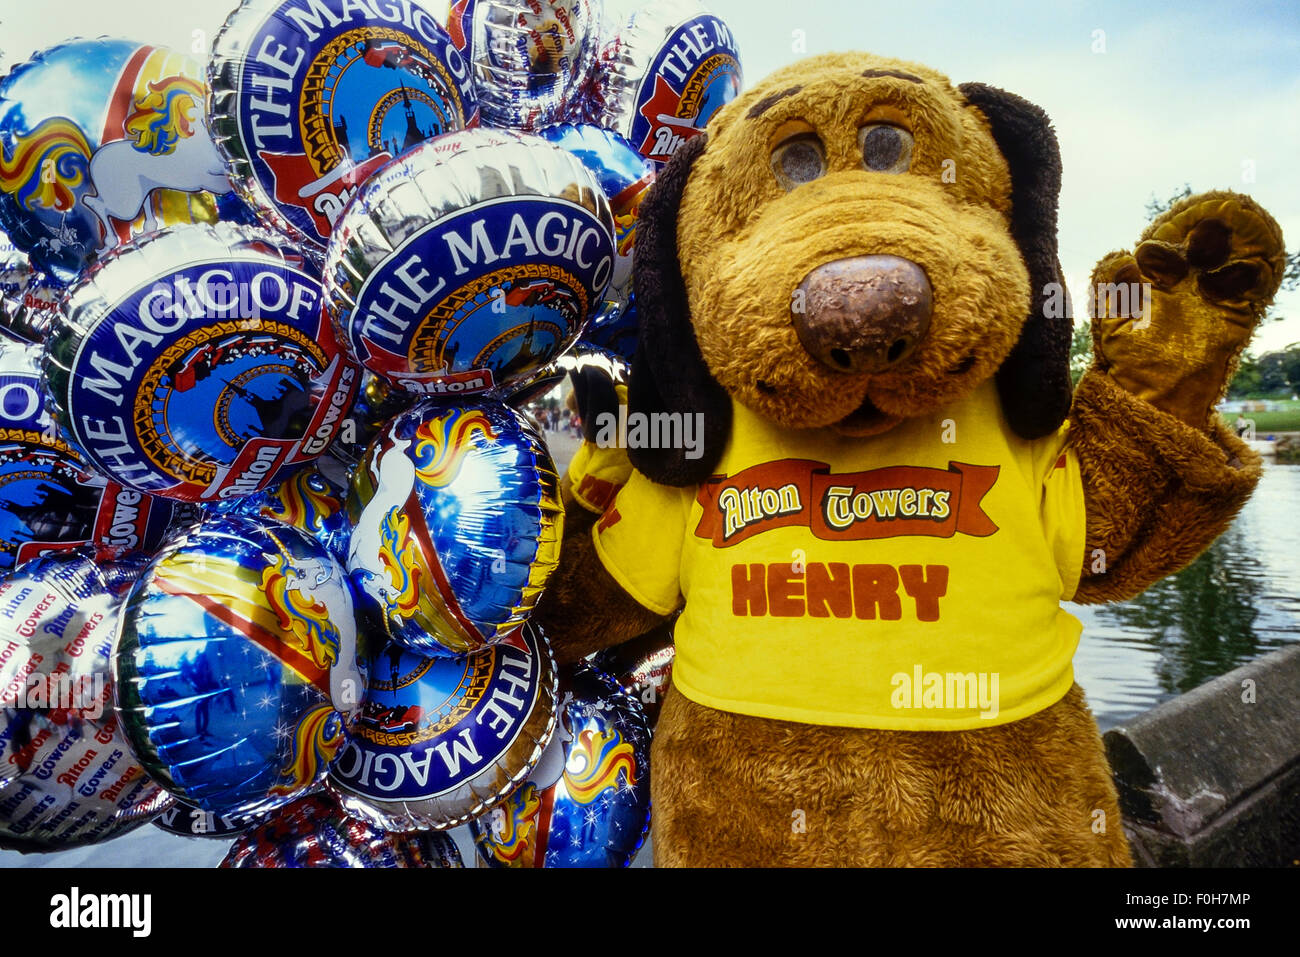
{"x":1163,"y":476}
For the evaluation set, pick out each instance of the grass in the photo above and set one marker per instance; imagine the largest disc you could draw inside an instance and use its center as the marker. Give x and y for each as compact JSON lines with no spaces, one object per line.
{"x":1265,"y":422}
{"x":1286,"y":419}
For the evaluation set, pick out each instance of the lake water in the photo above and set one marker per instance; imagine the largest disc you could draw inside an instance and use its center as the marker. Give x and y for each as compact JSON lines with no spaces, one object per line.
{"x":1238,"y":601}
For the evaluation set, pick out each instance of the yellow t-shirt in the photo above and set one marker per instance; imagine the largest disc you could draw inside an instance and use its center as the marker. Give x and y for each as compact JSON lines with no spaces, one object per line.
{"x":908,"y":582}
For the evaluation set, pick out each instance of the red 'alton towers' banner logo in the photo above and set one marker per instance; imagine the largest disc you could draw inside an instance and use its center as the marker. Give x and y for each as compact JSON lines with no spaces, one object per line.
{"x":846,"y":506}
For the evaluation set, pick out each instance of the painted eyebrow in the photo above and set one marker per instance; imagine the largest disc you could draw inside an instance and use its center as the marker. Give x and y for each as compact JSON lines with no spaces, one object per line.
{"x":897,"y":74}
{"x":769,"y":101}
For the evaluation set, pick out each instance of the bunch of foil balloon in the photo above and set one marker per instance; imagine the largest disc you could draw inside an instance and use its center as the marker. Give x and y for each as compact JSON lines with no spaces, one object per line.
{"x":273,"y":516}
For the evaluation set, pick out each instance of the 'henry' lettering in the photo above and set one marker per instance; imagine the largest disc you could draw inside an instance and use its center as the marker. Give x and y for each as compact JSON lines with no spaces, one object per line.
{"x":821,"y":590}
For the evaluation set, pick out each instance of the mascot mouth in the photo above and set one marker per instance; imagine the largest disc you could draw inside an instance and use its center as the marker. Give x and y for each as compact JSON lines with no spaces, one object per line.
{"x":866,"y":420}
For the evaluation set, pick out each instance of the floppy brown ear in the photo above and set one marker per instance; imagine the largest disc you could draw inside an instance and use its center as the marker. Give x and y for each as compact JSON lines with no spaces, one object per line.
{"x":668,"y":372}
{"x":1034,"y":381}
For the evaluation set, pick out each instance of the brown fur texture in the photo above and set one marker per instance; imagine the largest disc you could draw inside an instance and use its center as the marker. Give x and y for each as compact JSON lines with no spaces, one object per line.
{"x":721,"y":246}
{"x":736,"y":790}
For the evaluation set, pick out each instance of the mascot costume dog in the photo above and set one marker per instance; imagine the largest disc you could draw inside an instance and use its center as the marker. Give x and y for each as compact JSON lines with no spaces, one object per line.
{"x":852,"y":277}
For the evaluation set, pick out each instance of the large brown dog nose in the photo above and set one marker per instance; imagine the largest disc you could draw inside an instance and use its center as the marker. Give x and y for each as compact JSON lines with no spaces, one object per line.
{"x":862,"y":314}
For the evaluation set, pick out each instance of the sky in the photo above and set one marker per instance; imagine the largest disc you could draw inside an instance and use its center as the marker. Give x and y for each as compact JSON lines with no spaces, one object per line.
{"x":1144,"y":97}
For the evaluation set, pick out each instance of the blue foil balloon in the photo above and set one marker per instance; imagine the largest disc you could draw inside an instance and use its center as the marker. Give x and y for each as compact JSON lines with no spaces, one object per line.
{"x":456,"y":524}
{"x":310,"y":97}
{"x":101,"y":140}
{"x":469,"y":262}
{"x":663,"y":75}
{"x":67,"y":775}
{"x":315,"y":832}
{"x":196,"y":364}
{"x":238,"y":649}
{"x":309,"y":500}
{"x":442,"y":739}
{"x":615,"y":329}
{"x":587,"y":802}
{"x":625,"y":176}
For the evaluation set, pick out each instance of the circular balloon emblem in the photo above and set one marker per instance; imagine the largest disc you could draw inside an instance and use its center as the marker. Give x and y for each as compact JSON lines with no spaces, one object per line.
{"x":197,"y":364}
{"x":587,"y":802}
{"x":661,"y":78}
{"x":441,"y":739}
{"x":309,"y":97}
{"x":456,"y":525}
{"x":49,"y":500}
{"x":530,"y":57}
{"x":315,"y":832}
{"x":469,"y":262}
{"x":67,"y":774}
{"x":101,"y":140}
{"x":238,"y":651}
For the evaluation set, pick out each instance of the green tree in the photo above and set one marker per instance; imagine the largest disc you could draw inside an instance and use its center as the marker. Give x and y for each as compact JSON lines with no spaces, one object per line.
{"x":1246,"y":382}
{"x":1080,"y":351}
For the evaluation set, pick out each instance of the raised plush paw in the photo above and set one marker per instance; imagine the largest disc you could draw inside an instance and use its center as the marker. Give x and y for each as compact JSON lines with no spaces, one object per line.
{"x":1171,"y":319}
{"x":1226,"y":246}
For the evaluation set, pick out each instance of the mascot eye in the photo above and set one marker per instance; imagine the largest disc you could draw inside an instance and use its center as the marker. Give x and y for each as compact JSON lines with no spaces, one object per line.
{"x":798,"y":160}
{"x":885,"y":149}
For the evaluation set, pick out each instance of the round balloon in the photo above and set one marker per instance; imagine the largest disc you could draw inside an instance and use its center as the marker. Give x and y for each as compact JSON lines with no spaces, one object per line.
{"x":530,"y":57}
{"x":238,"y":653}
{"x":441,"y":739}
{"x":101,"y":140}
{"x":315,"y":832}
{"x":310,"y":97}
{"x":643,"y":667}
{"x":664,"y":74}
{"x":456,"y":524}
{"x":196,"y":364}
{"x":625,"y":176}
{"x":587,"y":803}
{"x":469,"y":262}
{"x":67,"y":774}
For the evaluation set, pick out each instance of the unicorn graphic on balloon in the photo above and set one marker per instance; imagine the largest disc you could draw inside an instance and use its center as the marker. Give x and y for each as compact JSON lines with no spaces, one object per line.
{"x":166,"y":146}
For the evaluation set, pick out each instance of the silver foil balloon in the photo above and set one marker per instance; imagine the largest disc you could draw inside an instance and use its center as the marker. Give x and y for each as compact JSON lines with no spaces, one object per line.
{"x":19,"y":317}
{"x":664,"y":73}
{"x":315,"y":832}
{"x":531,"y":58}
{"x":310,"y":97}
{"x":580,"y":357}
{"x":67,"y":773}
{"x":196,"y":364}
{"x":440,"y":740}
{"x":469,"y":262}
